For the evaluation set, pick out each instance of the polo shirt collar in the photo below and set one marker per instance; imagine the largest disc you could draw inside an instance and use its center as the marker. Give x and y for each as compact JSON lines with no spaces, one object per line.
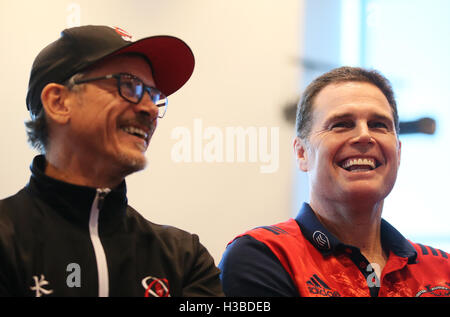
{"x":324,"y":241}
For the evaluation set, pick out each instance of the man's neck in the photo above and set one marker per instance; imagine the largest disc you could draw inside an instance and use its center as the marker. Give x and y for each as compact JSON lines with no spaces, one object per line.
{"x":356,"y":225}
{"x":71,"y":170}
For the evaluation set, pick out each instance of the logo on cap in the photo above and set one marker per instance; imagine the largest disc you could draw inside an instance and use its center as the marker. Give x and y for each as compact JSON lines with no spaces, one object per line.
{"x":124,"y":34}
{"x":321,"y":240}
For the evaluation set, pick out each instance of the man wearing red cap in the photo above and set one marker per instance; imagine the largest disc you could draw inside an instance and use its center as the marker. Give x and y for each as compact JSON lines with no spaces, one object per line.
{"x":95,"y":98}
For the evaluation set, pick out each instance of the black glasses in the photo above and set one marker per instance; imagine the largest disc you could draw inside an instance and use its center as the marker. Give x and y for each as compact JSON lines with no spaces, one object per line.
{"x":132,"y":89}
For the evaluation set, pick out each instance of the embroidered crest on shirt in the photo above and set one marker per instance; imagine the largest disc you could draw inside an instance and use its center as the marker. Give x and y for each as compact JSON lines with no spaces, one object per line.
{"x":321,"y":240}
{"x":156,"y":287}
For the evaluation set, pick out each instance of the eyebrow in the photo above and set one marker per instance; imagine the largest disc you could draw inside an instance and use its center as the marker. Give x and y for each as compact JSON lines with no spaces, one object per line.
{"x":337,"y":117}
{"x":349,"y":115}
{"x":382,"y":117}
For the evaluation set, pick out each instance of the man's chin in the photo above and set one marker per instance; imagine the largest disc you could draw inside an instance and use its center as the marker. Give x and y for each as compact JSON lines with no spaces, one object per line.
{"x":132,"y":162}
{"x":364,"y":195}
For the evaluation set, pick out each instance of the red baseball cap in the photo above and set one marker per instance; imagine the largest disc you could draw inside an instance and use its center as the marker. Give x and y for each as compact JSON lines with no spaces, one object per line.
{"x":171,"y":60}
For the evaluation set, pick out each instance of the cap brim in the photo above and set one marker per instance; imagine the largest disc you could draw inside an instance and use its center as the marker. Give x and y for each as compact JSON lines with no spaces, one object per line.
{"x":171,"y":59}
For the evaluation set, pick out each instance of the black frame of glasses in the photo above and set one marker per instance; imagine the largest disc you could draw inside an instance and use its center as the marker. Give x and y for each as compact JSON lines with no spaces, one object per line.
{"x":118,"y":76}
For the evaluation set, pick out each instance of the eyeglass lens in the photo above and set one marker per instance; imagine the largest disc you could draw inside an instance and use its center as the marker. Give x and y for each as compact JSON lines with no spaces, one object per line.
{"x":133,"y":90}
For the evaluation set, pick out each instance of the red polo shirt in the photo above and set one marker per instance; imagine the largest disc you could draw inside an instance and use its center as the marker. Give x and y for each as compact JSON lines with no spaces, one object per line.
{"x":300,"y":257}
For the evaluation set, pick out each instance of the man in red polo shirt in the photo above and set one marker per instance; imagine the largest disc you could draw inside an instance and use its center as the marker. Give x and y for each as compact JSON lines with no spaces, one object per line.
{"x":338,"y":245}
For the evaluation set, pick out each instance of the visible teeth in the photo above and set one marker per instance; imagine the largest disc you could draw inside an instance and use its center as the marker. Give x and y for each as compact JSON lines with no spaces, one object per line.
{"x":134,"y":130}
{"x":359,"y":161}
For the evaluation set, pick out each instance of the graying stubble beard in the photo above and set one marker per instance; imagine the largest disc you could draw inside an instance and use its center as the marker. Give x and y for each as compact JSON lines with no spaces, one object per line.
{"x":131,"y":164}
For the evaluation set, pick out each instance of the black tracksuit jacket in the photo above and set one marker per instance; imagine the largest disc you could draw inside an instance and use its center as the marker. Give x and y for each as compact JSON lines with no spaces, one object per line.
{"x":59,"y":239}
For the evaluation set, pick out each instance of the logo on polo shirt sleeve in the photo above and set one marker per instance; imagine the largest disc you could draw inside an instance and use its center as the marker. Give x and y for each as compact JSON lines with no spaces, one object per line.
{"x":435,"y":291}
{"x":321,"y":240}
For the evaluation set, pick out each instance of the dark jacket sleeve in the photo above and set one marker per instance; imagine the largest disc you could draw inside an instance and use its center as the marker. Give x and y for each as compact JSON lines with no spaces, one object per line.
{"x":5,"y":273}
{"x":249,"y":268}
{"x":9,"y":276}
{"x":202,"y":275}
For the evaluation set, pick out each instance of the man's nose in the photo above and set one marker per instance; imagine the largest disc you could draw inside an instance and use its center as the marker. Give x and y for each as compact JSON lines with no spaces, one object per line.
{"x":363,"y":134}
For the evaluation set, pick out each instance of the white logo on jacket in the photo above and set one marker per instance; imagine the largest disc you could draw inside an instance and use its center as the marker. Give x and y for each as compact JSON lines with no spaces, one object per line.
{"x":38,"y":286}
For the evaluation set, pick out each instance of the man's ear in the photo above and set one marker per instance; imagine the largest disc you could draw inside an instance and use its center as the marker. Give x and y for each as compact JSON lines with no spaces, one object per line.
{"x":399,"y":152}
{"x":301,"y":154}
{"x":54,"y":100}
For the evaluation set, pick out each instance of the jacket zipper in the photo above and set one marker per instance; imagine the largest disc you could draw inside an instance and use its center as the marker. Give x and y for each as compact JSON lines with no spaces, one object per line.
{"x":100,"y":257}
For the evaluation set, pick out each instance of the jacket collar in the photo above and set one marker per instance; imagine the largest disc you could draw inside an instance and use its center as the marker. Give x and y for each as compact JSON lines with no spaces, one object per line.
{"x":72,"y":201}
{"x":324,"y":241}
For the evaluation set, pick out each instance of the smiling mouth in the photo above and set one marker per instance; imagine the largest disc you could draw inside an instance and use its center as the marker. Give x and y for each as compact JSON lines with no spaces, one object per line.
{"x":136,"y":132}
{"x":359,"y":164}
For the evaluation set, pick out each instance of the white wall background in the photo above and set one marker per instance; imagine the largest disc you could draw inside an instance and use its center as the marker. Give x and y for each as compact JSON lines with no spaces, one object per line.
{"x":244,"y":76}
